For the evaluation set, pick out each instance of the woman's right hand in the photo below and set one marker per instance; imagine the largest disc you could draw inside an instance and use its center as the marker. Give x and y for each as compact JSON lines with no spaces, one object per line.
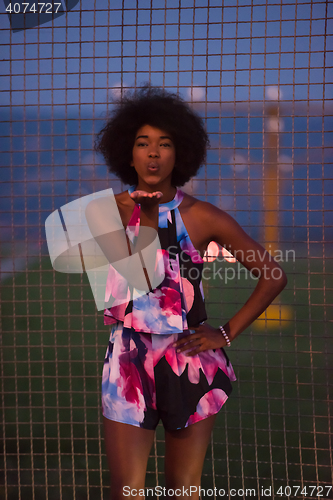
{"x":145,"y":199}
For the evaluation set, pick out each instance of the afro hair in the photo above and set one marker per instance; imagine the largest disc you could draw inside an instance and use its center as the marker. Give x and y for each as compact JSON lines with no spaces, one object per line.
{"x":161,"y":109}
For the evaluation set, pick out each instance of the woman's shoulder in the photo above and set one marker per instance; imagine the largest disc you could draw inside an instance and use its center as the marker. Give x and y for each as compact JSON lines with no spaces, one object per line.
{"x":125,"y":206}
{"x":205,"y":219}
{"x":199,"y":208}
{"x":124,"y":199}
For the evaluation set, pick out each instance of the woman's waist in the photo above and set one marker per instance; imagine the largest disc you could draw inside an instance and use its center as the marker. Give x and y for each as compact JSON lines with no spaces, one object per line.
{"x":120,"y":327}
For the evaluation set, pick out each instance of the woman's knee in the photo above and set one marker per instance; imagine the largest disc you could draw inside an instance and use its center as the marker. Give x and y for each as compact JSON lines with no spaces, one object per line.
{"x":183,"y":479}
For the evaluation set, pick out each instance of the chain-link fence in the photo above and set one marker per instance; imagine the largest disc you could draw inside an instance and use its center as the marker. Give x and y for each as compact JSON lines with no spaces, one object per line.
{"x":260,"y":73}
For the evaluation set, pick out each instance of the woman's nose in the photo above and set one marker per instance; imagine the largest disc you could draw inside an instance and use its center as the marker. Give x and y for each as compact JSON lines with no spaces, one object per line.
{"x":153,"y":152}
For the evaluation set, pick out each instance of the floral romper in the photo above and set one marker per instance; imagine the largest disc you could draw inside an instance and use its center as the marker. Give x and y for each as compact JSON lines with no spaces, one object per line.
{"x":144,"y":378}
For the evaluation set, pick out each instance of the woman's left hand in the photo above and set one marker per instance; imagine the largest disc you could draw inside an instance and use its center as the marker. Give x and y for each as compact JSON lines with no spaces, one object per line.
{"x":205,"y":337}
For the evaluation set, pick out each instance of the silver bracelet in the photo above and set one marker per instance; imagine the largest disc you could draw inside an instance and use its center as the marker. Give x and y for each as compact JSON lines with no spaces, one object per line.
{"x":226,"y":338}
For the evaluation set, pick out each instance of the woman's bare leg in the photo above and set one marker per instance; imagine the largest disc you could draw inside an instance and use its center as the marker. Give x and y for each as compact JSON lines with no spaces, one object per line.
{"x":185,"y":451}
{"x":127,"y":449}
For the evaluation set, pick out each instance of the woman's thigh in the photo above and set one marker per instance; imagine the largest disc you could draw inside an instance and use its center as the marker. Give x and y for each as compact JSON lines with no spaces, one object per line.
{"x":127,"y":449}
{"x":185,"y":451}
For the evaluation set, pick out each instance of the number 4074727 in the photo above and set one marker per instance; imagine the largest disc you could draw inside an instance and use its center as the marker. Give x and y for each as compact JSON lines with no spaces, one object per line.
{"x":35,"y":8}
{"x":306,"y":491}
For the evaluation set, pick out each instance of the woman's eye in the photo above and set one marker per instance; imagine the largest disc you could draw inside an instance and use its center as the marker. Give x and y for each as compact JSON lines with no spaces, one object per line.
{"x":165,"y":144}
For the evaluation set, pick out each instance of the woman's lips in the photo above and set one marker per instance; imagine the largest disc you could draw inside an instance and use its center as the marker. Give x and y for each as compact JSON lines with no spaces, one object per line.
{"x":153,"y":166}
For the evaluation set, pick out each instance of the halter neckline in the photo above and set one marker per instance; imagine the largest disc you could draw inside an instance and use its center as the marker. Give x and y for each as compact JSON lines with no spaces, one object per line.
{"x":170,"y":205}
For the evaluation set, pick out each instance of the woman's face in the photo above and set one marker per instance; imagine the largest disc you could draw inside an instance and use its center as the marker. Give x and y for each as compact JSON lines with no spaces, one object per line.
{"x":153,"y":157}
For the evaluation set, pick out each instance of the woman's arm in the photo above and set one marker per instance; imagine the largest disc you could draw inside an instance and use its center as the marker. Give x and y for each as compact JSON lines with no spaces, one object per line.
{"x":216,"y":225}
{"x":106,"y":226}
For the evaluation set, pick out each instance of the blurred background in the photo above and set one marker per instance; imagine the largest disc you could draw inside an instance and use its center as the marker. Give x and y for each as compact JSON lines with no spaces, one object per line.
{"x":260,"y":74}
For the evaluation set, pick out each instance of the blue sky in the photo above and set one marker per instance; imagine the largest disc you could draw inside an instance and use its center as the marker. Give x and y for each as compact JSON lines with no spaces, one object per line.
{"x":228,"y":54}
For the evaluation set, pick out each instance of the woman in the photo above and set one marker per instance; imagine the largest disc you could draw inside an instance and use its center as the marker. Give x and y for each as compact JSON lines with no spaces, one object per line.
{"x":164,"y":361}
